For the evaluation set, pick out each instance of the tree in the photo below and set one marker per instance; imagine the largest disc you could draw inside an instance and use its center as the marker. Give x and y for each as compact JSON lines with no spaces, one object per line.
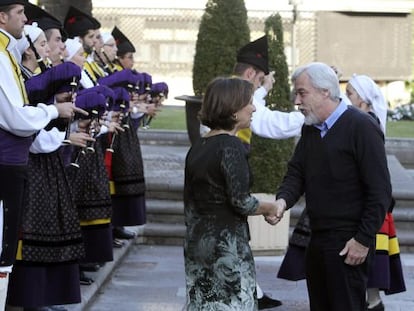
{"x":223,"y":30}
{"x":269,"y":157}
{"x":58,"y":8}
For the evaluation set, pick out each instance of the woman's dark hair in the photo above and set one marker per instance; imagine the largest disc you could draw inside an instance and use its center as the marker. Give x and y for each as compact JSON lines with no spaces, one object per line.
{"x":223,"y":98}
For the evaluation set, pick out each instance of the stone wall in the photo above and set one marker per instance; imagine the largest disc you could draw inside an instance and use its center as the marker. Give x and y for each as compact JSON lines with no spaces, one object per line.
{"x":403,"y":149}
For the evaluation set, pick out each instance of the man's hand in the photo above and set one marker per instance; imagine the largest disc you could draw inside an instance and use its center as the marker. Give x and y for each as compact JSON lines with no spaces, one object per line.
{"x":152,"y":110}
{"x":268,"y":81}
{"x":115,"y":127}
{"x":67,"y":110}
{"x":280,"y":207}
{"x":355,"y":252}
{"x":80,"y":139}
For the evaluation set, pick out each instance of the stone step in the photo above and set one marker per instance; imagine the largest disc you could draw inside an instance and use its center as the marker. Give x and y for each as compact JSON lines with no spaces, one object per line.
{"x":165,"y":223}
{"x":164,"y":156}
{"x":164,"y":191}
{"x":163,"y":137}
{"x":165,"y":211}
{"x":163,"y":234}
{"x":165,"y":206}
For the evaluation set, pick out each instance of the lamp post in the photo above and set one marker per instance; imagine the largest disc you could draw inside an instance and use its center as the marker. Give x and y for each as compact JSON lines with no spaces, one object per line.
{"x":294,"y":4}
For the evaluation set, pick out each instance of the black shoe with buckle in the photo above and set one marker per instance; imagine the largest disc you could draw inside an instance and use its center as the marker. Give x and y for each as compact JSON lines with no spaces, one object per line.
{"x":266,"y":302}
{"x":122,"y":233}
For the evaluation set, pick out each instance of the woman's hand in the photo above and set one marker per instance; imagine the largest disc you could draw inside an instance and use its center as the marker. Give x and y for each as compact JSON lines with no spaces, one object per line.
{"x":276,"y":215}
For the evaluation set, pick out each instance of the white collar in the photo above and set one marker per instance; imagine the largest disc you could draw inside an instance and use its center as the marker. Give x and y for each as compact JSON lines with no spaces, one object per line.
{"x":13,"y":41}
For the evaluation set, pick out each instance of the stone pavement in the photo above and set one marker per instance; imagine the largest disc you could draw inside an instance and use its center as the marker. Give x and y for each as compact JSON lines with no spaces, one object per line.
{"x":151,"y":278}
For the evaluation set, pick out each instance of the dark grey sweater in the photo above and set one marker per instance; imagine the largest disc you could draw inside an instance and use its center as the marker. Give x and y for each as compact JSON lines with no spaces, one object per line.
{"x":344,"y":176}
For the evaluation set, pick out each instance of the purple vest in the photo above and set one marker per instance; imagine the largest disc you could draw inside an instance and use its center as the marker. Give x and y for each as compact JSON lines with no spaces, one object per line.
{"x":14,"y":150}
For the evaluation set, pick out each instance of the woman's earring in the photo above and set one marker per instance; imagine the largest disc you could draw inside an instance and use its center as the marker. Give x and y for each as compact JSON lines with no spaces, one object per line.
{"x":235,"y":116}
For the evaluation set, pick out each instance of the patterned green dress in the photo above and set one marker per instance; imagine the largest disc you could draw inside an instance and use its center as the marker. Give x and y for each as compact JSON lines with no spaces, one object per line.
{"x":219,"y":265}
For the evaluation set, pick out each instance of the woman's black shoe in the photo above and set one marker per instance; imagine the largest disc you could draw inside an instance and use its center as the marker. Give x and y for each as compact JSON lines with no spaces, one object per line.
{"x":266,"y":302}
{"x":122,"y":233}
{"x":117,"y":243}
{"x":378,"y":307}
{"x":84,"y":280}
{"x":90,"y":267}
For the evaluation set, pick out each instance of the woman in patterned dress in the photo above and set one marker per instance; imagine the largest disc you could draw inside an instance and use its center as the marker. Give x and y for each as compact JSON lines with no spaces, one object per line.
{"x":386,"y":270}
{"x":219,"y":265}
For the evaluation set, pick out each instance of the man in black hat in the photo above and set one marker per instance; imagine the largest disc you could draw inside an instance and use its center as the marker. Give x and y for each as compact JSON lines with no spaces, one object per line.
{"x":18,"y":123}
{"x":53,"y":29}
{"x":126,"y":49}
{"x":252,"y":65}
{"x":83,"y":26}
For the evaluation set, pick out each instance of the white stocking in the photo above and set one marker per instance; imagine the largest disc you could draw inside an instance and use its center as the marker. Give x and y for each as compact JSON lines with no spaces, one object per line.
{"x":4,"y":282}
{"x":373,"y":297}
{"x":259,"y":291}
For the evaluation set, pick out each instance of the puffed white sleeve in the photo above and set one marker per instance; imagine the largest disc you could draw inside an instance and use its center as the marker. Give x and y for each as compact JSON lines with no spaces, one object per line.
{"x":47,"y":141}
{"x":259,"y":96}
{"x":15,"y":117}
{"x":275,"y":124}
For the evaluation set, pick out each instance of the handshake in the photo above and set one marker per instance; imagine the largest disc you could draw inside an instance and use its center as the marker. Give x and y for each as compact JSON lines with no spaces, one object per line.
{"x":272,"y":211}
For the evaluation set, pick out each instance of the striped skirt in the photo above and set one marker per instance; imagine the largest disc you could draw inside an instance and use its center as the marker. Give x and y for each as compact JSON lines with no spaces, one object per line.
{"x":386,"y":270}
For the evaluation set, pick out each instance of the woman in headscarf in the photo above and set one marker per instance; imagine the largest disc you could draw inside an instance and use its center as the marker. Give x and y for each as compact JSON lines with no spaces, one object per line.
{"x":386,"y":270}
{"x":87,"y":173}
{"x":35,"y":50}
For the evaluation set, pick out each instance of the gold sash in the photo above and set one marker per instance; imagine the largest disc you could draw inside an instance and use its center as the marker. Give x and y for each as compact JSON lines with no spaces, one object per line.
{"x":17,"y":73}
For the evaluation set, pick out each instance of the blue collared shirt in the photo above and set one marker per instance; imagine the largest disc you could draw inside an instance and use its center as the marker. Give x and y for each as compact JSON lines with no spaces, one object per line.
{"x":330,"y":121}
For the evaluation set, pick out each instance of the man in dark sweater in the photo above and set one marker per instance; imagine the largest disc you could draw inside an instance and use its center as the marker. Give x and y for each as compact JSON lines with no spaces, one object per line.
{"x":340,"y":165}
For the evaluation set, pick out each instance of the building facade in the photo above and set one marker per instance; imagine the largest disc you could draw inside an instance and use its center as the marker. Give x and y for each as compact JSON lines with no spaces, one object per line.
{"x":372,"y":37}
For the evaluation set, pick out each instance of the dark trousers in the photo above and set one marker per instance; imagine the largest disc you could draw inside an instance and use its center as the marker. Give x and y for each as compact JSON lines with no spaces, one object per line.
{"x":332,"y":284}
{"x":12,"y":183}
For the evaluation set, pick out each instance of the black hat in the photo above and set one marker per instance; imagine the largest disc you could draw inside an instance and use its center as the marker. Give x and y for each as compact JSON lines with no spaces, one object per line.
{"x":77,"y":23}
{"x":255,"y":53}
{"x":43,"y":19}
{"x":9,"y":2}
{"x":122,"y":42}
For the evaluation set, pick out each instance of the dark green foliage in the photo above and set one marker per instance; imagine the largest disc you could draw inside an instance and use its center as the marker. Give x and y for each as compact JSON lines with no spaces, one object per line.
{"x":223,"y":30}
{"x":269,"y":157}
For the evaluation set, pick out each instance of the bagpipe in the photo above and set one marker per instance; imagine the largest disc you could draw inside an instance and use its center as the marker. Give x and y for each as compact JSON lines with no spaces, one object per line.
{"x":158,"y":92}
{"x":126,"y":79}
{"x":121,"y":105}
{"x":94,"y":101}
{"x":108,"y":65}
{"x":43,"y":87}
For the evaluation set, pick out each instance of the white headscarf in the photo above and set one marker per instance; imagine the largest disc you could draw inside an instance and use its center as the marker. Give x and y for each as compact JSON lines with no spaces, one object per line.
{"x":106,"y":36}
{"x":370,"y":93}
{"x":33,"y":31}
{"x":72,"y":46}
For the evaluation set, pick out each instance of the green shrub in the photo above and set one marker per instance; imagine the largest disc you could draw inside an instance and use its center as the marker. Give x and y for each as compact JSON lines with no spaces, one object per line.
{"x":223,"y":30}
{"x":269,"y":157}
